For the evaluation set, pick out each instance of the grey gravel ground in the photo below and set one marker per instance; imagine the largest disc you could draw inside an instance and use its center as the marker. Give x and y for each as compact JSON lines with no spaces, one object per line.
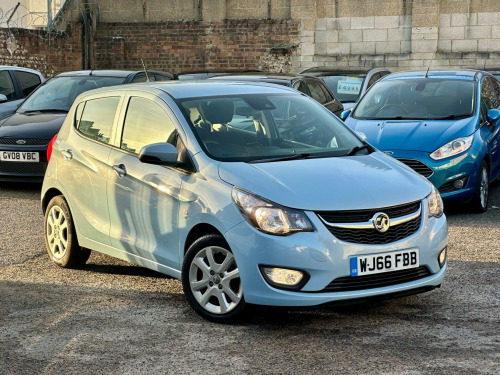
{"x":113,"y":317}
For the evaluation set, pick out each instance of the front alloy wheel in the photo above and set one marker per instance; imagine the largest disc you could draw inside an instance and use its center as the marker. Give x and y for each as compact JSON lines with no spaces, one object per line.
{"x":211,"y":279}
{"x":480,"y":198}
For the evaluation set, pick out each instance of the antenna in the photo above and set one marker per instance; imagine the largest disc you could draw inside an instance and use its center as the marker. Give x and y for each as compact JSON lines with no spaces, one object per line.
{"x":145,"y":70}
{"x":427,"y":72}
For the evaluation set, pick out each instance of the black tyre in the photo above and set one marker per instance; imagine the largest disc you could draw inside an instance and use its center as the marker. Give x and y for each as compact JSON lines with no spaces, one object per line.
{"x":479,"y":202}
{"x":60,"y":237}
{"x":211,"y":280}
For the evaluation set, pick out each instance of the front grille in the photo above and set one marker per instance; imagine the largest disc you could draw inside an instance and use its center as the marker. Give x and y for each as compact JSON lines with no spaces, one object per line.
{"x":372,"y":237}
{"x":29,"y":141}
{"x":349,"y":283}
{"x":417,"y":166}
{"x":450,"y":186}
{"x":361,"y":216}
{"x":37,"y":169}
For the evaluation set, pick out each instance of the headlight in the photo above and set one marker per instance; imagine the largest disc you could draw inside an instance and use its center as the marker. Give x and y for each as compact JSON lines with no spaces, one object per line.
{"x":453,"y":148}
{"x":434,"y":203}
{"x":268,"y":216}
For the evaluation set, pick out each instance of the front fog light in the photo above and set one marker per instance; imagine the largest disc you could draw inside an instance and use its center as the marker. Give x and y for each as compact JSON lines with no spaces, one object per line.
{"x":283,"y":277}
{"x":442,"y":258}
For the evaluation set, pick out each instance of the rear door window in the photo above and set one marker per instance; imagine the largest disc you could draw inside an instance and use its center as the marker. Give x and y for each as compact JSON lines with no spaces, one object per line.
{"x":7,"y":86}
{"x":97,"y":118}
{"x":145,"y":123}
{"x":28,"y":81}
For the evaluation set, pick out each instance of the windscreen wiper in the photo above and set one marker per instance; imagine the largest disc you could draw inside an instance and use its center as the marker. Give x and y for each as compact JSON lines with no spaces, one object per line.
{"x":46,"y":110}
{"x":355,"y":149}
{"x":453,"y":117}
{"x":284,"y":158}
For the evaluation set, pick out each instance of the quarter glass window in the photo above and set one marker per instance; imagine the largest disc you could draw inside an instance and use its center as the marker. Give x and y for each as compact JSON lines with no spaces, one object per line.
{"x":488,"y":94}
{"x":145,"y":123}
{"x":97,"y":118}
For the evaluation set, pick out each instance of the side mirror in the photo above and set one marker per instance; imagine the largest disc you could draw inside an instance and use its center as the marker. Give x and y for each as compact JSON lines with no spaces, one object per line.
{"x":159,"y":153}
{"x":345,"y":114}
{"x":3,"y":98}
{"x":362,"y":136}
{"x":493,"y":115}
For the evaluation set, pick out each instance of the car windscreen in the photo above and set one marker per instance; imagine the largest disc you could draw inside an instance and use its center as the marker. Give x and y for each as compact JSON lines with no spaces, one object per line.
{"x":422,"y":98}
{"x":58,"y":93}
{"x":347,"y":87}
{"x":269,"y":127}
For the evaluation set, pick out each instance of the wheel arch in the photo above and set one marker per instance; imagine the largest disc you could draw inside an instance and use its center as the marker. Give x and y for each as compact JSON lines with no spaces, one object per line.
{"x":198,"y":231}
{"x":49,"y":194}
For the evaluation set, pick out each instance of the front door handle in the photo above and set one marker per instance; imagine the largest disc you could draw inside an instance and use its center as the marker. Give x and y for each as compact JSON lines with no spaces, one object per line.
{"x":67,"y":155}
{"x":120,"y":170}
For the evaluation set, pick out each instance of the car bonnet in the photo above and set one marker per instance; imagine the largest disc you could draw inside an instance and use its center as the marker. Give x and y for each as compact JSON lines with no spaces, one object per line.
{"x":335,"y":183}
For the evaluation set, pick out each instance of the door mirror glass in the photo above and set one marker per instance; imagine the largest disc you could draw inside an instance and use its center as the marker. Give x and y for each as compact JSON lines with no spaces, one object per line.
{"x":159,"y":153}
{"x":3,"y":98}
{"x":493,"y":115}
{"x":344,"y":115}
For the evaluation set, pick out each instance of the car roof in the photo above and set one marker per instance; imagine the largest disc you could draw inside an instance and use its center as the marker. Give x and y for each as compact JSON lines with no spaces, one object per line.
{"x":467,"y":74}
{"x":99,"y":73}
{"x":261,"y":76}
{"x":327,"y":70}
{"x":196,"y":89}
{"x":9,"y":67}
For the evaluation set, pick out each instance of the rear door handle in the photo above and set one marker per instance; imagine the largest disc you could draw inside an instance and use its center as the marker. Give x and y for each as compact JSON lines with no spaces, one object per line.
{"x":120,"y":170}
{"x":67,"y":155}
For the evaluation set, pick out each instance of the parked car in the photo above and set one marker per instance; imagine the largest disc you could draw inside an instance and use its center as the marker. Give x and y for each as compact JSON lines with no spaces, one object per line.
{"x":443,"y":124}
{"x":298,"y":211}
{"x":16,"y":84}
{"x":311,"y":86}
{"x":347,"y":85}
{"x":24,"y":135}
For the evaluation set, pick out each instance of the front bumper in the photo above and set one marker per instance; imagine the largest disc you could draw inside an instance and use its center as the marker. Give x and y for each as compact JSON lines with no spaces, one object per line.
{"x":326,"y":258}
{"x":24,"y":171}
{"x":445,"y":171}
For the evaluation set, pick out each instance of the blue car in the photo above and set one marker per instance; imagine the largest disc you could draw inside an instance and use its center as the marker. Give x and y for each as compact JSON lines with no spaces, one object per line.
{"x":293,"y":211}
{"x":442,"y":124}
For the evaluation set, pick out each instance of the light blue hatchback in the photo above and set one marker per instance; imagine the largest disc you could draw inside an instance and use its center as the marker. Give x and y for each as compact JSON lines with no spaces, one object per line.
{"x":250,"y":193}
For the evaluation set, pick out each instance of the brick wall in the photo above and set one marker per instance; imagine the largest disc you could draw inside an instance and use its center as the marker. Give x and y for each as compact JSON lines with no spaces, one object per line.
{"x":38,"y":50}
{"x":179,"y":46}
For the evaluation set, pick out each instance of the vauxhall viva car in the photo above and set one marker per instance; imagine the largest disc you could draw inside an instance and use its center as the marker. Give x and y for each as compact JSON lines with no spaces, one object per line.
{"x":296,"y":211}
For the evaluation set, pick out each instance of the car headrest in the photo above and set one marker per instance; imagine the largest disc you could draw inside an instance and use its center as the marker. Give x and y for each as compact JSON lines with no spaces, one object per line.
{"x":219,"y":111}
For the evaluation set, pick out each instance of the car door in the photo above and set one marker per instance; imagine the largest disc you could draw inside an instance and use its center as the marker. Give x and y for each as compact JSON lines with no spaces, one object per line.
{"x":490,"y":132}
{"x":84,"y":166}
{"x":144,"y":198}
{"x":8,"y":89}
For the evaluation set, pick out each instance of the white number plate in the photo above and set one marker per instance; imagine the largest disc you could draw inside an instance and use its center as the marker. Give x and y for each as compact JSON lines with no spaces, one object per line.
{"x":26,"y":156}
{"x":384,"y":262}
{"x":349,"y":87}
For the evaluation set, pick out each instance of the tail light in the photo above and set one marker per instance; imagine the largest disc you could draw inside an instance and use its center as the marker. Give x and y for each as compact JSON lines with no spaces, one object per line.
{"x":49,"y":148}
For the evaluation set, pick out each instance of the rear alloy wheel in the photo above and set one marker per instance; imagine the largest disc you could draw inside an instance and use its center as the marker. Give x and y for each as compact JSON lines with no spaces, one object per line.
{"x":211,"y":279}
{"x":479,"y":201}
{"x":60,"y":236}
